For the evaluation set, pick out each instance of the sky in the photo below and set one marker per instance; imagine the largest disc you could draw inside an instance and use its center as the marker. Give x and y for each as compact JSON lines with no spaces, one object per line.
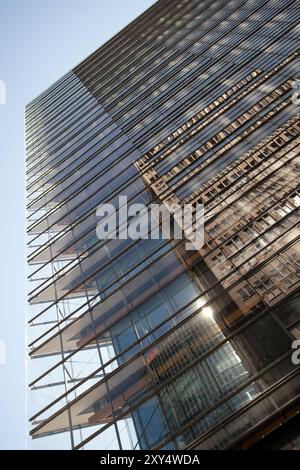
{"x":40,"y":40}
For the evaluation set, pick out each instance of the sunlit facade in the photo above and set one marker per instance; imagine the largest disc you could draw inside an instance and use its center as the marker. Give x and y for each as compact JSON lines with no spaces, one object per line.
{"x":141,"y":344}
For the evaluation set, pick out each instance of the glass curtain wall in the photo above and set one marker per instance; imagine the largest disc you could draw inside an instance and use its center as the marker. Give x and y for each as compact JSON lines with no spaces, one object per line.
{"x":141,"y":344}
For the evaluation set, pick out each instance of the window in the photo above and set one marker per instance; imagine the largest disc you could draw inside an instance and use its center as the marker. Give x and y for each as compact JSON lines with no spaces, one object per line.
{"x":245,"y":292}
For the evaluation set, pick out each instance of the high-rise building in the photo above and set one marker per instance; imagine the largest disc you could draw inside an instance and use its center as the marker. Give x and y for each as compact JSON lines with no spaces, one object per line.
{"x":140,"y":343}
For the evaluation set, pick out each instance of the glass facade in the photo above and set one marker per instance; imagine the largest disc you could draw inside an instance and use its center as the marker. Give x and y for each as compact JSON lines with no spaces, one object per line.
{"x":140,"y":344}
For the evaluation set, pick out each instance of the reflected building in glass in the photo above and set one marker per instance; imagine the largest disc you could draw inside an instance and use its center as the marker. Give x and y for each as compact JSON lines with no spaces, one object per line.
{"x":141,"y":344}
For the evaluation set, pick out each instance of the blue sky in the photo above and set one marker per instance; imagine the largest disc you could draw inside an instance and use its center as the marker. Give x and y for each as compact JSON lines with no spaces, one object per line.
{"x":39,"y":42}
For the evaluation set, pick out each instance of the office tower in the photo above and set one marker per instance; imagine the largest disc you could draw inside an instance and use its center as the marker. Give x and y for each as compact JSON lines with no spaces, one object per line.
{"x":142,"y":344}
